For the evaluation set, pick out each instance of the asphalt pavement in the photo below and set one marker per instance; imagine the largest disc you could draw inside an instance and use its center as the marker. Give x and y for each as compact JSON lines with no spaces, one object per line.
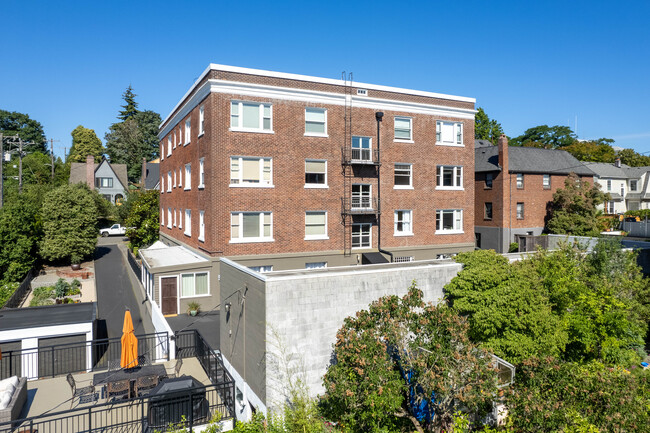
{"x":117,"y":290}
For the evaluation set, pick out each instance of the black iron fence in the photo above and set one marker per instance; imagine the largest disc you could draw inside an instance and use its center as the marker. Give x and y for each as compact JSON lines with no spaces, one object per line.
{"x":191,"y":344}
{"x":17,"y":298}
{"x":94,"y":355}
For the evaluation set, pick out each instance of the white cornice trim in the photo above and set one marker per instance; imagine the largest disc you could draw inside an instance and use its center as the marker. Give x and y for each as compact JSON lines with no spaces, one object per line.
{"x":310,"y":96}
{"x":298,"y":77}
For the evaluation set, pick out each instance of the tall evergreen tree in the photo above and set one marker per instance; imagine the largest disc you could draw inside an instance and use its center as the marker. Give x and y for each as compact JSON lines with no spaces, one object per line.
{"x":130,"y":108}
{"x":29,"y":130}
{"x":84,"y":143}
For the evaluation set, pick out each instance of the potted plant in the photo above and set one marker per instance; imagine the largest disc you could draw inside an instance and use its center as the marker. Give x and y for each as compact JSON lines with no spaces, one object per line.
{"x":193,"y":308}
{"x":75,"y":261}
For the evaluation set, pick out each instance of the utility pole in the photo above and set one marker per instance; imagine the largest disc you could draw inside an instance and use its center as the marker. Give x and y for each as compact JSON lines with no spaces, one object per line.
{"x":52,"y":156}
{"x":20,"y":165}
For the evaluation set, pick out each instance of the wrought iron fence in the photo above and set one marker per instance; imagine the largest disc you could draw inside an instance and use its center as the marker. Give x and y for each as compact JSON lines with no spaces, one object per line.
{"x":360,"y":205}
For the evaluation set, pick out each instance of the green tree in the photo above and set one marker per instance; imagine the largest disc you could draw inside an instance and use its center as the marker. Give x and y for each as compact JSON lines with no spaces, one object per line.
{"x":29,"y":130}
{"x":591,"y":151}
{"x":130,"y":107}
{"x":548,"y":137}
{"x":486,"y":128}
{"x":84,"y":143}
{"x":399,"y":353}
{"x":148,"y":123}
{"x":69,"y":223}
{"x":143,"y":218}
{"x":632,"y":158}
{"x":573,"y":209}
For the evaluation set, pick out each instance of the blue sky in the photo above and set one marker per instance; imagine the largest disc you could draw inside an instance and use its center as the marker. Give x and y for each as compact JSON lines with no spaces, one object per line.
{"x":526,"y":63}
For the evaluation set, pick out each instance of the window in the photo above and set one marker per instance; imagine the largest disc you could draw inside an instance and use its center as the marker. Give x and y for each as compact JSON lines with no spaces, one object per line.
{"x":449,"y":133}
{"x":162,"y":184}
{"x":316,"y":121}
{"x":403,"y":176}
{"x":201,"y":225}
{"x":169,"y":217}
{"x":316,"y":265}
{"x":403,"y":224}
{"x":546,"y":181}
{"x":520,"y":211}
{"x":315,"y":173}
{"x":169,"y":146}
{"x":169,"y":181}
{"x":187,"y":132}
{"x":610,"y":208}
{"x":162,"y":216}
{"x":180,"y":136}
{"x":188,"y":222}
{"x":633,"y":184}
{"x":403,"y":130}
{"x":194,"y":285}
{"x":251,"y":227}
{"x":180,"y":178}
{"x":449,"y":177}
{"x":449,"y":221}
{"x":175,"y":140}
{"x":361,"y":148}
{"x":609,"y":184}
{"x":403,"y":259}
{"x":488,"y":180}
{"x":180,"y":219}
{"x":201,"y":173}
{"x":488,"y":211}
{"x":104,"y":182}
{"x":316,"y":225}
{"x":361,"y":196}
{"x":361,"y":235}
{"x":622,"y":189}
{"x":261,"y":269}
{"x":188,"y":176}
{"x":520,"y":180}
{"x":250,"y":171}
{"x":250,"y":116}
{"x":201,"y":121}
{"x":174,"y":178}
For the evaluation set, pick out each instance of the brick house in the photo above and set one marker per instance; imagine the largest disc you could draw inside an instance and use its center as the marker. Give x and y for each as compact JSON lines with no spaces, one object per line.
{"x":282,"y":171}
{"x":514,"y":186}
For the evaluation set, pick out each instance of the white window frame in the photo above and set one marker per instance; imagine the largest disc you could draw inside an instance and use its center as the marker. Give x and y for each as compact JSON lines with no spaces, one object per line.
{"x":180,"y":177}
{"x":169,"y":181}
{"x":316,"y":185}
{"x":188,"y":222}
{"x":361,"y":196}
{"x":169,"y":217}
{"x":239,"y":116}
{"x":609,"y":185}
{"x":240,"y":165}
{"x":188,"y":176}
{"x":610,"y":207}
{"x":201,"y":173}
{"x":174,"y":175}
{"x":162,"y":216}
{"x":410,"y":170}
{"x":636,"y":185}
{"x":169,"y":145}
{"x":180,"y":218}
{"x":457,"y":133}
{"x":360,"y":235}
{"x":457,"y":215}
{"x":263,"y":269}
{"x":403,"y":140}
{"x":520,"y":181}
{"x":520,"y":211}
{"x":323,"y":122}
{"x":546,"y":181}
{"x":316,"y":265}
{"x":201,"y":120}
{"x":240,"y":239}
{"x":457,"y":177}
{"x":201,"y":226}
{"x":180,"y":285}
{"x":162,"y":184}
{"x":403,"y":232}
{"x":316,"y":237}
{"x":361,"y":149}
{"x":188,"y":131}
{"x":174,"y":137}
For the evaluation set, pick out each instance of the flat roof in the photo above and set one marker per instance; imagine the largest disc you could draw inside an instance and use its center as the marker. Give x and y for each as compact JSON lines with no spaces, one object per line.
{"x":48,"y":315}
{"x":160,"y":257}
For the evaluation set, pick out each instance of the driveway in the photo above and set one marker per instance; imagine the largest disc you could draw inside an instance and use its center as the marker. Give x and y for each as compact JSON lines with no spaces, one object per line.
{"x":117,"y":290}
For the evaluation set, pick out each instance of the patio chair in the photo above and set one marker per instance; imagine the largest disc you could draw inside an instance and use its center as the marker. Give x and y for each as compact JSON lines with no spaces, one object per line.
{"x":119,"y":389}
{"x":86,"y":394}
{"x":144,"y":360}
{"x":114,"y":365}
{"x":144,"y":384}
{"x":177,"y":369}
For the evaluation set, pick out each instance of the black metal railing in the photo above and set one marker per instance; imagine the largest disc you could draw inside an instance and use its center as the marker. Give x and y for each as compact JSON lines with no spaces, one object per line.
{"x":360,"y":205}
{"x":94,"y":355}
{"x":17,"y":297}
{"x":360,"y":156}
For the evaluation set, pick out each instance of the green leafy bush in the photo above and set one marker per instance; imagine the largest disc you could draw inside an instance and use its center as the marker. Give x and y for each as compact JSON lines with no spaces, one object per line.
{"x":61,"y":288}
{"x":641,"y":213}
{"x":6,"y":290}
{"x":43,"y":296}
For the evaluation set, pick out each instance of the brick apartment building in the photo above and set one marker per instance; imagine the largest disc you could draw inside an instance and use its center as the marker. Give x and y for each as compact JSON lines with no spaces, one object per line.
{"x":513,"y":187}
{"x":281,"y":171}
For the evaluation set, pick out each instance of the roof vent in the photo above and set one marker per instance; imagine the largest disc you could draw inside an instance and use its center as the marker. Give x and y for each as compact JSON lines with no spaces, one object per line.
{"x":362,"y":92}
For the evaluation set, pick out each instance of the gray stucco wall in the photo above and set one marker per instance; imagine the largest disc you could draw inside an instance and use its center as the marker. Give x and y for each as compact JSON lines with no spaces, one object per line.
{"x":499,"y":239}
{"x":105,"y":171}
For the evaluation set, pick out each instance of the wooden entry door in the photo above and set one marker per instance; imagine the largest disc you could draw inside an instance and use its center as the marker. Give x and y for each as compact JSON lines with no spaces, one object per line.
{"x":169,"y":293}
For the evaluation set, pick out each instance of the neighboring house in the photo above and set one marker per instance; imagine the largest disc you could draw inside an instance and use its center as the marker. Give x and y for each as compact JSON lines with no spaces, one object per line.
{"x":110,"y":180}
{"x":627,"y":186}
{"x":150,"y":175}
{"x":514,"y":186}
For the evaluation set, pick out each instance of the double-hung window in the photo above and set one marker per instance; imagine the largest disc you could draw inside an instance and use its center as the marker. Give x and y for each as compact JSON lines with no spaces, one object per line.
{"x":403,"y":223}
{"x":546,"y":181}
{"x":201,"y":120}
{"x":488,"y":211}
{"x":520,"y":180}
{"x":609,"y":184}
{"x":169,"y":146}
{"x":174,"y":212}
{"x":520,"y":211}
{"x":449,"y":177}
{"x":162,"y":184}
{"x":361,"y":149}
{"x":250,"y":116}
{"x":316,"y":225}
{"x":188,"y":222}
{"x":403,"y":176}
{"x":202,"y":225}
{"x":449,"y":133}
{"x":403,"y":129}
{"x":169,"y":181}
{"x":201,"y":173}
{"x":195,"y":284}
{"x":633,"y":184}
{"x":188,"y":135}
{"x":180,"y":178}
{"x":174,"y":174}
{"x":188,"y":176}
{"x":361,"y":235}
{"x":361,"y":196}
{"x":104,"y":182}
{"x":169,"y":217}
{"x":251,"y":171}
{"x":449,"y":221}
{"x":315,"y":173}
{"x":251,"y":227}
{"x":488,"y":180}
{"x":162,"y":216}
{"x":316,"y":122}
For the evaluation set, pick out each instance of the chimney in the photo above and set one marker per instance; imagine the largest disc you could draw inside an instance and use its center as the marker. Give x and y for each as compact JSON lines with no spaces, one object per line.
{"x":617,"y":163}
{"x":143,"y":177}
{"x":503,"y":153}
{"x":90,"y":171}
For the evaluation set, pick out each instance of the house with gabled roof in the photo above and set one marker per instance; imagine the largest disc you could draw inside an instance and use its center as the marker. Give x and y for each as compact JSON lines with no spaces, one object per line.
{"x":110,"y":180}
{"x":628,"y":186}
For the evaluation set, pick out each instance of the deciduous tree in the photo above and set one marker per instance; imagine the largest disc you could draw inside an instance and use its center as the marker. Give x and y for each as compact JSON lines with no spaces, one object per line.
{"x":143,"y":218}
{"x":84,"y":143}
{"x":29,"y":130}
{"x":591,"y":151}
{"x":548,"y":137}
{"x":486,"y":128}
{"x":633,"y":158}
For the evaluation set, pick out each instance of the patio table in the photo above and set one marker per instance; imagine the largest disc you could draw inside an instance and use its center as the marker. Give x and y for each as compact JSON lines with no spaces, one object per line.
{"x":131,"y":374}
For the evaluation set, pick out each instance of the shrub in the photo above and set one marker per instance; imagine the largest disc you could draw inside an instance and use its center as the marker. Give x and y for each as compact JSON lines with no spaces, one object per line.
{"x":42,"y":296}
{"x":61,"y":288}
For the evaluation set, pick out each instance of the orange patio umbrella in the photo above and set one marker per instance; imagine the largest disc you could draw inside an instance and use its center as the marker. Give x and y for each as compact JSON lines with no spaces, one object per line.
{"x":129,"y":343}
